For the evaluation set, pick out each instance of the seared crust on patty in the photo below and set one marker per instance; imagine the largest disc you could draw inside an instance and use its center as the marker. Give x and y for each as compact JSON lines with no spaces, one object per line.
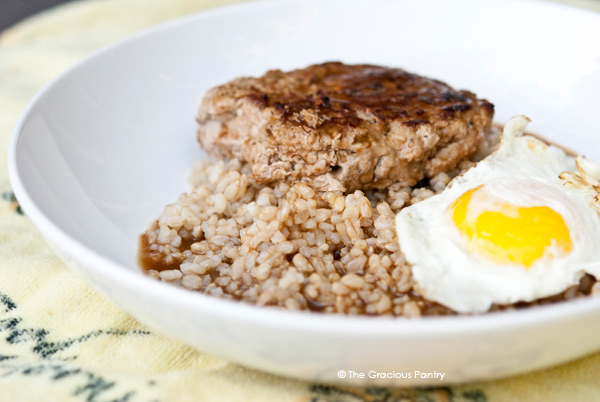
{"x":343,"y":127}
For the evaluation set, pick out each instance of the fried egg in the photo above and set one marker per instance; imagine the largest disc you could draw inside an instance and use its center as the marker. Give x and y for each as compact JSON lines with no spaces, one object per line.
{"x":522,"y":224}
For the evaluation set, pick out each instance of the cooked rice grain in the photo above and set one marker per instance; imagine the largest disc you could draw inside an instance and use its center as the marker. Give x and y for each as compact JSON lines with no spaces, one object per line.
{"x":292,"y":247}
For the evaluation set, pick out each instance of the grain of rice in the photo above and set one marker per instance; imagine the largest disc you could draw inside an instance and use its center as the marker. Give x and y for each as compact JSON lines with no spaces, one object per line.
{"x":170,"y":275}
{"x":352,"y":281}
{"x":193,"y":282}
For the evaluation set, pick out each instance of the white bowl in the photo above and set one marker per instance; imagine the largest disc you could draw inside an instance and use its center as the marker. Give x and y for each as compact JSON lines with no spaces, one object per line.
{"x":101,"y":150}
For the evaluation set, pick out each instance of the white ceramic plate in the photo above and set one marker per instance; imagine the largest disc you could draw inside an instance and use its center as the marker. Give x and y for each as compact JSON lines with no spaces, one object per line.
{"x":101,"y":150}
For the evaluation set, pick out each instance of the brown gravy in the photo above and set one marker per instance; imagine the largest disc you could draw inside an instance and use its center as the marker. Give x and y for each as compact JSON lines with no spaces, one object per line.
{"x":152,"y":260}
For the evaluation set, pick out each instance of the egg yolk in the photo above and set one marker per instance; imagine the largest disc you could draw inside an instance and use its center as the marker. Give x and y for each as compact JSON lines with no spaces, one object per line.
{"x":509,"y":233}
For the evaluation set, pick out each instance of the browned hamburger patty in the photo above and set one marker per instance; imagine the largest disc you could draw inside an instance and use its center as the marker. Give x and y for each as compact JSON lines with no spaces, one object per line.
{"x":343,"y":127}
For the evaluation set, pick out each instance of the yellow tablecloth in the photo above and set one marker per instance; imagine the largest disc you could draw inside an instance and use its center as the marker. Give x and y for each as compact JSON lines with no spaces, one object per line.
{"x":60,"y":341}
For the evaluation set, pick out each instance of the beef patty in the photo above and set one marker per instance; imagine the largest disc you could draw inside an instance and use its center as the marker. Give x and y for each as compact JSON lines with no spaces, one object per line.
{"x":343,"y":127}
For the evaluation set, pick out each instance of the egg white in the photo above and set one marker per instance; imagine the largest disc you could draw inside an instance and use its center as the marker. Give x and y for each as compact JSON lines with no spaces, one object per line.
{"x":523,"y":172}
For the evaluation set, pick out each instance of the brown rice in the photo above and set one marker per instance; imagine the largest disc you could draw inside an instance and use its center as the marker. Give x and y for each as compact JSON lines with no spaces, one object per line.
{"x":289,"y":246}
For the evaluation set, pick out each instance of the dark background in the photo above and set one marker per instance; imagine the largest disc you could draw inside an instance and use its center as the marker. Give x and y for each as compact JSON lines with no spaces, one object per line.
{"x":13,"y":11}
